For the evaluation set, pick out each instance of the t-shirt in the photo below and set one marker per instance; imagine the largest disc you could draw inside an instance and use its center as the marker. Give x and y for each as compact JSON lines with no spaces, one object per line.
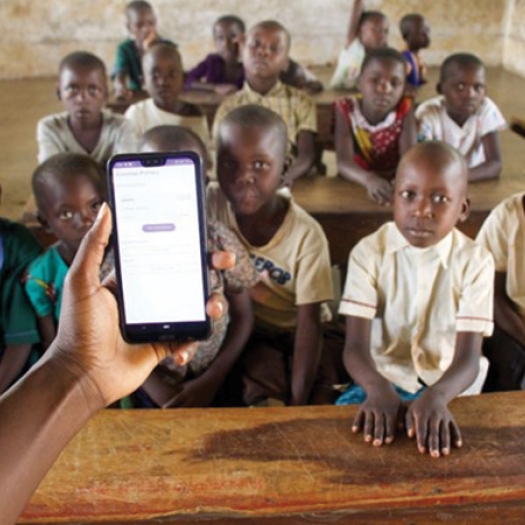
{"x":213,"y":71}
{"x":416,"y":68}
{"x":418,"y":299}
{"x":294,"y":266}
{"x":348,"y":66}
{"x":145,"y":115}
{"x":502,"y":234}
{"x":54,"y":135}
{"x":434,"y":123}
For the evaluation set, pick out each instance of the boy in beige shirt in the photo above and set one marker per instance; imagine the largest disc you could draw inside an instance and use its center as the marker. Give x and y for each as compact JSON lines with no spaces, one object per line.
{"x":418,"y":300}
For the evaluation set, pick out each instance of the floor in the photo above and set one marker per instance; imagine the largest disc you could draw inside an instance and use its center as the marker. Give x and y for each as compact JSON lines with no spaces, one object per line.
{"x":25,"y":101}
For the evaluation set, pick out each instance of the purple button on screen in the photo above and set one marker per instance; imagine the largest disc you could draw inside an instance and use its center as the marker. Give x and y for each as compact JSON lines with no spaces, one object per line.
{"x":151,"y":228}
{"x":128,"y":164}
{"x":176,"y":162}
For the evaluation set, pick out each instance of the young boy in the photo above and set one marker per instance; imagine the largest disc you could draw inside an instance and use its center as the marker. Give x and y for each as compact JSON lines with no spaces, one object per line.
{"x":502,"y":235}
{"x":127,"y":71}
{"x":85,"y":127}
{"x":367,"y":30}
{"x":287,"y":247}
{"x":265,"y":57}
{"x":18,"y":326}
{"x":69,"y":191}
{"x":418,"y":299}
{"x":164,"y":81}
{"x":416,"y":34}
{"x":197,"y":383}
{"x":464,"y":117}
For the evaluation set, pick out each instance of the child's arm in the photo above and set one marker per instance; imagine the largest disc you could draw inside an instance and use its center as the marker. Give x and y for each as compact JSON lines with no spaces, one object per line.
{"x":379,"y":189}
{"x":505,"y":316}
{"x":305,"y":157}
{"x":428,"y":418}
{"x":353,"y":23}
{"x":491,"y":168}
{"x":408,"y":137}
{"x":120,"y":87}
{"x":47,"y":329}
{"x":200,"y":392}
{"x":12,"y":363}
{"x":306,"y":353}
{"x":377,"y":416}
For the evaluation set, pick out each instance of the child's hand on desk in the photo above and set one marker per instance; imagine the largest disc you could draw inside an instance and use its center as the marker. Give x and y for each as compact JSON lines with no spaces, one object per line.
{"x":121,"y":92}
{"x":197,"y":392}
{"x":380,"y":190}
{"x":225,"y":89}
{"x":430,"y":421}
{"x":377,"y":416}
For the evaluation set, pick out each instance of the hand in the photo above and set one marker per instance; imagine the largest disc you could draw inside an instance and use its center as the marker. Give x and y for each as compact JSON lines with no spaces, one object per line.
{"x":431,"y":422}
{"x":89,"y":344}
{"x":149,"y":39}
{"x":225,"y":89}
{"x":121,"y":92}
{"x":380,"y":190}
{"x":377,"y":416}
{"x":197,"y":392}
{"x":313,"y":86}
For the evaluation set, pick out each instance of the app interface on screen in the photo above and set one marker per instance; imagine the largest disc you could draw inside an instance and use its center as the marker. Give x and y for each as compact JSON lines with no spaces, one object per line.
{"x":158,"y":233}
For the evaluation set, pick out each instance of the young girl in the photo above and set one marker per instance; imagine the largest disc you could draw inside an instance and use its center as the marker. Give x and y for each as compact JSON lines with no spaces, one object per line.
{"x":69,"y":191}
{"x":375,"y":128}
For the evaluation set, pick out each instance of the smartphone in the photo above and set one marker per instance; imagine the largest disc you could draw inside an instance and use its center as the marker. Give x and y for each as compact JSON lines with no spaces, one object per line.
{"x":159,"y":237}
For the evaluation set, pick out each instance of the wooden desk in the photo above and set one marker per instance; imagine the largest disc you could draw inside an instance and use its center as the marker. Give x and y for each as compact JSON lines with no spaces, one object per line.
{"x":284,"y":466}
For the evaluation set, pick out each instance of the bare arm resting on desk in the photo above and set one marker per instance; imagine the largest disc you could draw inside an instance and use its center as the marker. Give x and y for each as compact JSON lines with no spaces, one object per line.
{"x":87,"y":367}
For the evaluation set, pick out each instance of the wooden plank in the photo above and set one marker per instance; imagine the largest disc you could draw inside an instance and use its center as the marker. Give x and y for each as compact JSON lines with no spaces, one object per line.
{"x":284,"y":465}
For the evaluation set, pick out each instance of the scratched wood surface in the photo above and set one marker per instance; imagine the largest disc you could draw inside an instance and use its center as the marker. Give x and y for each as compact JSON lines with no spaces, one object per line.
{"x":289,"y":465}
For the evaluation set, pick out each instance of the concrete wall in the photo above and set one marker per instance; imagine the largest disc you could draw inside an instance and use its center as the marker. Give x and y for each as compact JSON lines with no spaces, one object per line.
{"x":35,"y":34}
{"x":514,"y":45}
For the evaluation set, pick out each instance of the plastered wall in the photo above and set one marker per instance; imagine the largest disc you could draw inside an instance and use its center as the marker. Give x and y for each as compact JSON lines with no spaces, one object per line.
{"x":34,"y":35}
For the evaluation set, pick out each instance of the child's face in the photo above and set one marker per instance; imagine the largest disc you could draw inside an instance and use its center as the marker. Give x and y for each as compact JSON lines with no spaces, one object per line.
{"x":227,"y":37}
{"x":429,"y":200}
{"x":250,"y":164}
{"x":141,"y":23}
{"x":71,"y":207}
{"x":83,"y":93}
{"x":419,"y":35}
{"x":163,"y":78}
{"x":381,"y":84}
{"x":464,"y":89}
{"x":373,"y":33}
{"x":265,"y":54}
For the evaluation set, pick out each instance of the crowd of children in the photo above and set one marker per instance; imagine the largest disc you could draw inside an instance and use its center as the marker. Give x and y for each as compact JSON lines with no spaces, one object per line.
{"x":419,"y":295}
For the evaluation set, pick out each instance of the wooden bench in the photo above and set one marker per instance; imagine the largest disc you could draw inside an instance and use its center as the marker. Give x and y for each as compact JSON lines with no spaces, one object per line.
{"x":280,"y":466}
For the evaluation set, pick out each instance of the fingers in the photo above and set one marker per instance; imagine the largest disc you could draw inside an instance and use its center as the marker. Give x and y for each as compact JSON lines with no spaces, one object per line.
{"x":378,"y":427}
{"x":217,"y":306}
{"x":222,"y":260}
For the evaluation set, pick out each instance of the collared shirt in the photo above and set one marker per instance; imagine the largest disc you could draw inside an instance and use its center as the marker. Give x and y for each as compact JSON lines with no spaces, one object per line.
{"x":295,"y":106}
{"x":502,"y":234}
{"x":420,"y":298}
{"x":434,"y":123}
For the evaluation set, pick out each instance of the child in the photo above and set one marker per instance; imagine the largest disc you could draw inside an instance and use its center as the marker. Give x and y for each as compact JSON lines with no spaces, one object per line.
{"x":18,"y":326}
{"x":418,"y":299}
{"x":265,"y":57}
{"x":287,"y":247}
{"x":367,"y":30}
{"x":222,"y":71}
{"x":373,"y":130}
{"x":85,"y":127}
{"x":464,"y":117}
{"x":164,"y":80}
{"x":502,"y":234}
{"x":197,"y":383}
{"x":127,"y":71}
{"x":69,"y":191}
{"x":416,"y":34}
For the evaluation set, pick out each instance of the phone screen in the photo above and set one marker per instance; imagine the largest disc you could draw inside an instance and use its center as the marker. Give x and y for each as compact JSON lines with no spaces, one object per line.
{"x":160,"y":236}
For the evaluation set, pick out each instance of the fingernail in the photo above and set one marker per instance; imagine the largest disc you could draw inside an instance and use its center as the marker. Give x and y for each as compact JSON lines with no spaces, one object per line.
{"x":101,"y":213}
{"x":182,"y":357}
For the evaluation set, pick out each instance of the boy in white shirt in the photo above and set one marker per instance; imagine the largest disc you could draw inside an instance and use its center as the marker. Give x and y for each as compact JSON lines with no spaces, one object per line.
{"x":418,"y":300}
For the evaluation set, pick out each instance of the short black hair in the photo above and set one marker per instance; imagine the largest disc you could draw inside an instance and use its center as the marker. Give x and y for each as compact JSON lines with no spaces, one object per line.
{"x":460,"y":60}
{"x":367,"y":15}
{"x":138,"y":5}
{"x":273,"y":25}
{"x":82,"y":60}
{"x":383,"y":53}
{"x":171,"y":138}
{"x":63,"y":166}
{"x":407,"y":23}
{"x":231,"y":19}
{"x":255,"y":116}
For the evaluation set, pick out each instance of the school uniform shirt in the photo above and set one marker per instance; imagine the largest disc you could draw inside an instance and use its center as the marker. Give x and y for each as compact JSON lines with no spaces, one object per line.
{"x":213,"y":71}
{"x":348,"y":66}
{"x":294,"y":266}
{"x":295,"y":106}
{"x":502,"y":234}
{"x":54,"y":135}
{"x":418,"y":299}
{"x":145,"y":115}
{"x":434,"y":123}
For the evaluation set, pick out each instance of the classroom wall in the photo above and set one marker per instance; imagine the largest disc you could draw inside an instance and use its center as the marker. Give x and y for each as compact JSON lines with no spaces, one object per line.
{"x":514,"y":46}
{"x":34,"y":35}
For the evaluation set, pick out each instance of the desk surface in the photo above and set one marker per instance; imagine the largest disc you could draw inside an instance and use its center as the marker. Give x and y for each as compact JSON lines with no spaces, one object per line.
{"x":287,"y":465}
